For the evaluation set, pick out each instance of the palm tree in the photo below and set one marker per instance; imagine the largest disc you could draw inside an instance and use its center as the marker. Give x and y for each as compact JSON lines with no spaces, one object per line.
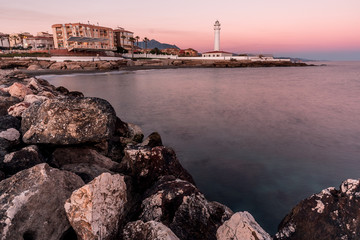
{"x":132,"y":40}
{"x":137,"y":41}
{"x":146,"y":41}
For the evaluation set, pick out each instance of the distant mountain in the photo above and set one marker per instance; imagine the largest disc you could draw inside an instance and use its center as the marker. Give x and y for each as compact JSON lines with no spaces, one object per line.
{"x":155,"y":44}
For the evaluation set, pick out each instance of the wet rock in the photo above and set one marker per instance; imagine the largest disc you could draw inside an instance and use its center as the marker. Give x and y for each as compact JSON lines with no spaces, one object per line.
{"x":62,"y":90}
{"x":179,"y":205}
{"x":148,"y":231}
{"x":241,"y":225}
{"x":19,"y":90}
{"x":68,"y":121}
{"x":34,"y":67}
{"x":330,"y":214}
{"x":32,"y":203}
{"x":2,"y":175}
{"x":147,"y":165}
{"x":96,"y":209}
{"x":153,"y":140}
{"x":75,"y":94}
{"x":23,"y":159}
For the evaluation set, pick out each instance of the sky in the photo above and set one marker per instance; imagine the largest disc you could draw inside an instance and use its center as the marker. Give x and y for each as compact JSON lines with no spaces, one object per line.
{"x":315,"y":29}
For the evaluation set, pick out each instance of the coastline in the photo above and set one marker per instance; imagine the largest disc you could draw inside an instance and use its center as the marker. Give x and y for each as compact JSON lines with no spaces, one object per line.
{"x":152,"y":170}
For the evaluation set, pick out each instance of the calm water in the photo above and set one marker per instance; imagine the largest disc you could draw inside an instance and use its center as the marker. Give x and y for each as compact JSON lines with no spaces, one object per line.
{"x":255,"y":139}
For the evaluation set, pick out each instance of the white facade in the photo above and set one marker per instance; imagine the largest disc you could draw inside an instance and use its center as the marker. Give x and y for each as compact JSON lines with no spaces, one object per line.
{"x":217,"y":36}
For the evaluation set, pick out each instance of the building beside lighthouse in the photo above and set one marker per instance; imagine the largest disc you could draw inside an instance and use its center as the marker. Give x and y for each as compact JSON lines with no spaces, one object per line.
{"x":217,"y":52}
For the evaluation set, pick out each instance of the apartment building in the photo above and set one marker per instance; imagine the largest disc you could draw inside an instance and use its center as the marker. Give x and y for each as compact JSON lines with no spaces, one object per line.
{"x":122,"y":38}
{"x":79,"y":36}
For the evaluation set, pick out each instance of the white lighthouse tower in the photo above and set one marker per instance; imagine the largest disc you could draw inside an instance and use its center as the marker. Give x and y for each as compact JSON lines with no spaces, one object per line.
{"x":217,"y":36}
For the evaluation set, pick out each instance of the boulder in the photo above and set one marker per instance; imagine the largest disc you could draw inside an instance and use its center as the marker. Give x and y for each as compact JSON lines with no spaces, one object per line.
{"x":34,"y":67}
{"x":18,"y":109}
{"x":19,"y":90}
{"x":241,"y":225}
{"x":68,"y":121}
{"x":8,"y":121}
{"x":86,"y":171}
{"x":17,"y":161}
{"x":5,"y":103}
{"x":96,"y":209}
{"x":179,"y":205}
{"x":153,"y":140}
{"x":135,"y":133}
{"x":31,"y":98}
{"x":146,"y":165}
{"x":8,"y":140}
{"x":10,"y":134}
{"x":148,"y":231}
{"x":330,"y":214}
{"x":32,"y":203}
{"x":76,"y":155}
{"x":57,"y":66}
{"x":73,"y":66}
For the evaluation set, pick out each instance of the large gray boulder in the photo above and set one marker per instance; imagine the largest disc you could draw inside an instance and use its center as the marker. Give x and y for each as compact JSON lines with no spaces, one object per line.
{"x":85,"y":162}
{"x":241,"y":225}
{"x":330,"y":214}
{"x":146,"y":165}
{"x":96,"y":209}
{"x":32,"y":203}
{"x":22,"y":159}
{"x":179,"y":205}
{"x":68,"y":121}
{"x":148,"y":231}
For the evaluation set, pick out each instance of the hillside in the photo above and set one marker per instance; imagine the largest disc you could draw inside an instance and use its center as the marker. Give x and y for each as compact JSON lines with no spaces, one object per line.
{"x":155,"y":44}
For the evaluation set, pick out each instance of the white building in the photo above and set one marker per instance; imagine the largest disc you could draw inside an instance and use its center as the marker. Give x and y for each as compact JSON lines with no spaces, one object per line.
{"x":4,"y":40}
{"x":217,"y":52}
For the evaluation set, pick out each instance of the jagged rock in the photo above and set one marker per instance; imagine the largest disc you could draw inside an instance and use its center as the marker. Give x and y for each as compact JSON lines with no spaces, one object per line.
{"x":10,"y":134}
{"x":75,"y":94}
{"x":32,"y":203}
{"x":18,"y":109}
{"x":179,"y":205}
{"x":19,"y":90}
{"x":34,"y":98}
{"x":148,"y":231}
{"x":23,"y":159}
{"x":86,"y":171}
{"x":241,"y":225}
{"x":84,"y":162}
{"x":135,"y":133}
{"x":34,"y":67}
{"x":146,"y":165}
{"x":96,"y":209}
{"x":68,"y":121}
{"x":5,"y":103}
{"x":8,"y":121}
{"x":45,"y":63}
{"x":330,"y":214}
{"x":62,"y":90}
{"x":153,"y":140}
{"x":76,"y":155}
{"x":104,"y":65}
{"x":57,"y":66}
{"x":73,"y":66}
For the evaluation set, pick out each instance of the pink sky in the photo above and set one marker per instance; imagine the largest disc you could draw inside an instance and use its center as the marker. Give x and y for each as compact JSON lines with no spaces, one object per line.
{"x":257,"y":26}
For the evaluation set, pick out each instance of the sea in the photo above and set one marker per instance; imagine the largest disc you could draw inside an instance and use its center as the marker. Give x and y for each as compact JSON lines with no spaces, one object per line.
{"x":255,"y":139}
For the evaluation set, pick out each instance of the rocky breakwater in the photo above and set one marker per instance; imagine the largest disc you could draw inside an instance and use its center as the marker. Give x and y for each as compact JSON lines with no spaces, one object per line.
{"x":71,"y":169}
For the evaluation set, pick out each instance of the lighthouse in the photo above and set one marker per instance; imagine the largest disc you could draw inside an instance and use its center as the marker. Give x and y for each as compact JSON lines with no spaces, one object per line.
{"x":217,"y":36}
